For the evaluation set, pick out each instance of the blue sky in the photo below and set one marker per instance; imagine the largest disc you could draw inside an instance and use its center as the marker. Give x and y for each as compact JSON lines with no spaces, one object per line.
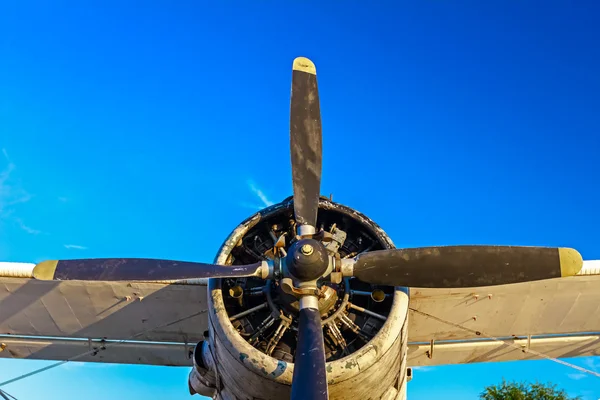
{"x":147,"y":129}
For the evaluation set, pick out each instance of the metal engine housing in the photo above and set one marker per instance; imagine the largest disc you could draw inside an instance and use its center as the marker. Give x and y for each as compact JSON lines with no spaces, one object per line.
{"x":228,"y":367}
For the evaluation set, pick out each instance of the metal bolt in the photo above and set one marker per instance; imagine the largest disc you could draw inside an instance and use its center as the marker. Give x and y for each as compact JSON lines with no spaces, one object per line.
{"x":307,"y":249}
{"x":2,"y":346}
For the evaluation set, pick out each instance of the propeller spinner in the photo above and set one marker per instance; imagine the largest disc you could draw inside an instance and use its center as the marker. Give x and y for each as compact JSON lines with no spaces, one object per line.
{"x":308,"y":260}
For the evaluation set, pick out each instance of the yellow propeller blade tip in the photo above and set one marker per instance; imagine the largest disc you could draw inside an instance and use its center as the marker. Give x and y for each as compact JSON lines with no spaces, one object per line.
{"x":45,"y":270}
{"x":571,"y":261}
{"x":305,"y":65}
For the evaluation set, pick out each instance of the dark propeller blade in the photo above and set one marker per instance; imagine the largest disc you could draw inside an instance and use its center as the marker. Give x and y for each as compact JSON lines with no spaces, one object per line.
{"x":305,"y":141}
{"x":309,"y":381}
{"x":139,"y":269}
{"x":465,"y":266}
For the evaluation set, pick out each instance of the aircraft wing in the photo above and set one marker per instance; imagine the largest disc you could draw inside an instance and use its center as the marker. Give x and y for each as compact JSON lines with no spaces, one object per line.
{"x":159,"y":324}
{"x":138,"y":323}
{"x":556,"y":317}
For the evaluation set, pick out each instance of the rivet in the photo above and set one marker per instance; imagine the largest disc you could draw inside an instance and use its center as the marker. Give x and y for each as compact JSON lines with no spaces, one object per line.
{"x":474,"y":317}
{"x":307,"y":249}
{"x":2,"y":346}
{"x":489,"y":296}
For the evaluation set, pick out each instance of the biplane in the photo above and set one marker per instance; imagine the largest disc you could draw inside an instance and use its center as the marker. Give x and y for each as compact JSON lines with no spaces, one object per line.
{"x":306,"y":299}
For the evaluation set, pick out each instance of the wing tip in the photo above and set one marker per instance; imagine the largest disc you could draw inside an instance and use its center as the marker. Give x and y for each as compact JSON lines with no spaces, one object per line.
{"x":571,"y":261}
{"x":45,"y":270}
{"x":305,"y":65}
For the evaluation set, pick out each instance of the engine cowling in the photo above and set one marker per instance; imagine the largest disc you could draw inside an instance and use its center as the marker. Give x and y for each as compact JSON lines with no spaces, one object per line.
{"x":249,"y":351}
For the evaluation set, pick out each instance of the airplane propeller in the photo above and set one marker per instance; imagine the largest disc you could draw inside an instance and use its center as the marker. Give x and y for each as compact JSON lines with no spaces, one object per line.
{"x":465,"y":266}
{"x":139,"y":269}
{"x":305,"y":144}
{"x":307,"y":259}
{"x":426,"y":267}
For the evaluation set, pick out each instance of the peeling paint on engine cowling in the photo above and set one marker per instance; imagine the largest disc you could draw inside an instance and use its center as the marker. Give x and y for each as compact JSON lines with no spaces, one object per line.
{"x":375,"y":371}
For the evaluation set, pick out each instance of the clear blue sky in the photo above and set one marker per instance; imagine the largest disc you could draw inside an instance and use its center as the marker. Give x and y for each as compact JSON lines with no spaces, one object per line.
{"x":140,"y":130}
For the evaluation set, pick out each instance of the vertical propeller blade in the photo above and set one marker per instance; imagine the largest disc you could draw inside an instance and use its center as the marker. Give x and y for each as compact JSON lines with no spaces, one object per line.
{"x":305,"y":141}
{"x":310,"y":376}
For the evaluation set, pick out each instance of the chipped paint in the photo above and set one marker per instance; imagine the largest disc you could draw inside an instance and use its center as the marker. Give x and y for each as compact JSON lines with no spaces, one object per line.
{"x":281,"y":366}
{"x":353,"y":376}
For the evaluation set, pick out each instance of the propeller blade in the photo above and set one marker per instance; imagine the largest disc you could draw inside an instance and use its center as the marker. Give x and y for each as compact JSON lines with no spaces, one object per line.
{"x":140,"y":269}
{"x":310,"y":377}
{"x":465,"y":266}
{"x":305,"y":141}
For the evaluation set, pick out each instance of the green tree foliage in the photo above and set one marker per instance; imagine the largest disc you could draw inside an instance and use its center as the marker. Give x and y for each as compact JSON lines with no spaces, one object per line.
{"x":524,"y":391}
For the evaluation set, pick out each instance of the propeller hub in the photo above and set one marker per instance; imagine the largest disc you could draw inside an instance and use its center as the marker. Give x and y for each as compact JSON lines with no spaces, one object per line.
{"x":307,"y":259}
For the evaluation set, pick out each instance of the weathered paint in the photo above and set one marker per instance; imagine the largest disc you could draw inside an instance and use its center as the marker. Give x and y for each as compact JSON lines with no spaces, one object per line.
{"x":554,"y":306}
{"x":164,"y":354}
{"x":507,"y":350}
{"x":369,"y":373}
{"x":111,"y":310}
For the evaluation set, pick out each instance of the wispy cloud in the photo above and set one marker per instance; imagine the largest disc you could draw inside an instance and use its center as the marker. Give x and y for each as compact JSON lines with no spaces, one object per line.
{"x":26,"y":228}
{"x":9,"y":168}
{"x":11,"y":193}
{"x":261,"y":195}
{"x":592,"y":363}
{"x":577,"y":376}
{"x":75,"y":247}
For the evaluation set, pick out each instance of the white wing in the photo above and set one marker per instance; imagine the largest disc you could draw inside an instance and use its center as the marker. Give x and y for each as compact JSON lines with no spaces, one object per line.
{"x":557,"y":317}
{"x":53,"y":320}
